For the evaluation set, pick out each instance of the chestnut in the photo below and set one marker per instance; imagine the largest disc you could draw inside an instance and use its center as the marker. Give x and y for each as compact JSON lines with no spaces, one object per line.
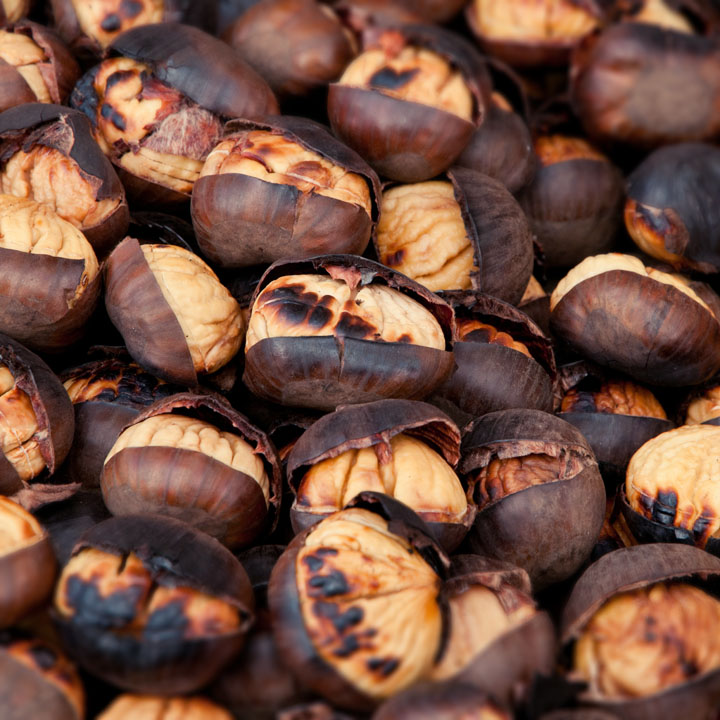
{"x":670,"y":211}
{"x":163,"y":708}
{"x":538,"y":490}
{"x":195,"y":458}
{"x":652,"y":325}
{"x":280,"y":187}
{"x":362,"y":15}
{"x":37,"y":680}
{"x":403,"y":448}
{"x":152,"y":605}
{"x":645,"y":638}
{"x":703,"y":406}
{"x":175,"y":316}
{"x":410,"y":102}
{"x":48,"y":154}
{"x":460,"y":231}
{"x":354,"y":602}
{"x":12,"y":10}
{"x":313,"y":711}
{"x":574,"y":202}
{"x":339,"y":329}
{"x":663,"y":13}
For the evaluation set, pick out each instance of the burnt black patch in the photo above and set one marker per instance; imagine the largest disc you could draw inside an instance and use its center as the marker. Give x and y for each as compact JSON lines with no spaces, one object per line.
{"x":354,"y":327}
{"x":583,"y":402}
{"x":43,"y":656}
{"x":111,"y":23}
{"x":84,"y":97}
{"x":131,"y":8}
{"x":297,"y":306}
{"x":404,"y":339}
{"x":389,"y":79}
{"x":117,"y":77}
{"x":478,"y":335}
{"x":168,"y":621}
{"x":665,"y":507}
{"x":395,"y":258}
{"x":348,"y":646}
{"x":702,"y":526}
{"x":330,"y":585}
{"x":313,"y":562}
{"x":326,"y":552}
{"x":342,"y":621}
{"x":383,"y":666}
{"x":92,"y":608}
{"x":109,"y":113}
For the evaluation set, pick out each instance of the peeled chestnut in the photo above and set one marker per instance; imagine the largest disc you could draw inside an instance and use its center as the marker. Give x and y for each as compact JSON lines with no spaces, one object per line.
{"x":152,"y":605}
{"x":410,"y":102}
{"x":538,"y":490}
{"x":652,"y":325}
{"x":13,"y":10}
{"x":163,"y":708}
{"x":341,"y":329}
{"x":281,"y":187}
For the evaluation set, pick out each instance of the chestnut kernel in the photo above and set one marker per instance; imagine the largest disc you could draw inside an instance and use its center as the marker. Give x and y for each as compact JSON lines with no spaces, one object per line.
{"x":163,"y":708}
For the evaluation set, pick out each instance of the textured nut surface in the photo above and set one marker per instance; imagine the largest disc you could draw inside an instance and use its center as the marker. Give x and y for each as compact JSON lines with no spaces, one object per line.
{"x":277,"y":159}
{"x":620,"y":397}
{"x":208,"y":314}
{"x":185,"y":433}
{"x":148,"y":707}
{"x":421,"y":233}
{"x":18,"y":528}
{"x":674,"y":479}
{"x":657,"y":12}
{"x":411,"y":73}
{"x":369,"y":602}
{"x":23,"y":53}
{"x":471,"y":330}
{"x":406,"y":469}
{"x":104,"y":20}
{"x":552,"y":149}
{"x":705,"y":407}
{"x":113,"y":380}
{"x":644,"y":641}
{"x":314,"y":305}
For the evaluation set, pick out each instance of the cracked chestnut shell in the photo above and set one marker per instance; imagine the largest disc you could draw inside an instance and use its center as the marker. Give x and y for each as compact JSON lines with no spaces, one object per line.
{"x":403,"y":448}
{"x":670,"y":212}
{"x":574,"y":202}
{"x":48,"y":154}
{"x":163,"y":708}
{"x":195,"y":458}
{"x":645,"y":86}
{"x":280,"y":187}
{"x":38,"y":680}
{"x":355,"y":603}
{"x":310,"y":343}
{"x":656,"y":327}
{"x":539,"y":493}
{"x":658,"y":647}
{"x":152,"y":605}
{"x":411,"y":101}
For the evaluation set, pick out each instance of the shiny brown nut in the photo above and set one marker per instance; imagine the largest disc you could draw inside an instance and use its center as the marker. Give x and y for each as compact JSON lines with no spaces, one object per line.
{"x":354,"y":603}
{"x":410,"y":102}
{"x":520,"y":463}
{"x":38,"y":680}
{"x":649,"y":324}
{"x":163,"y":708}
{"x":574,"y":202}
{"x":527,"y":32}
{"x":195,"y":458}
{"x":175,"y":316}
{"x":704,"y":407}
{"x":284,"y":186}
{"x":152,"y":605}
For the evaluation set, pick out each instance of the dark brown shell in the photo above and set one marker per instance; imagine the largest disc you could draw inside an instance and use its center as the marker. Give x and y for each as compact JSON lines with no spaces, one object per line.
{"x":241,"y":220}
{"x":13,"y":88}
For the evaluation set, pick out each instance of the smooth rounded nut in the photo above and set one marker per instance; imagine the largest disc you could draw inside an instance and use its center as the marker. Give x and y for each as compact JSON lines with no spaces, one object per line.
{"x":617,"y":397}
{"x":145,"y":707}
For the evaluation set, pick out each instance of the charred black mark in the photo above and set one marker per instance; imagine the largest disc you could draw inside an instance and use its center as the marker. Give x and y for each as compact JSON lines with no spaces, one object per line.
{"x":109,"y":113}
{"x":665,"y":507}
{"x":43,"y":656}
{"x":330,"y":585}
{"x":111,"y":23}
{"x":348,"y":646}
{"x":584,"y":402}
{"x":131,"y":8}
{"x":297,"y":306}
{"x":326,"y":552}
{"x":313,"y":562}
{"x":93,"y":608}
{"x":168,"y":621}
{"x":118,"y":77}
{"x":395,"y":258}
{"x":388,"y":79}
{"x":702,"y":525}
{"x":383,"y":666}
{"x":84,"y":97}
{"x":689,"y":668}
{"x":405,"y":339}
{"x":354,"y":327}
{"x":341,"y":621}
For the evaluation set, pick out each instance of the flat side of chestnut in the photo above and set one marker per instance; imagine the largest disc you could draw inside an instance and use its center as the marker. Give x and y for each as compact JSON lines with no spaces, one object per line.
{"x":145,"y":193}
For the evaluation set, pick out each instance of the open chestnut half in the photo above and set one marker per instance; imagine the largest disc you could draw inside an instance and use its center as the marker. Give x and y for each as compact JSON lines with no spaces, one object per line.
{"x":339,"y":329}
{"x":152,"y":605}
{"x":281,"y":187}
{"x":163,"y":708}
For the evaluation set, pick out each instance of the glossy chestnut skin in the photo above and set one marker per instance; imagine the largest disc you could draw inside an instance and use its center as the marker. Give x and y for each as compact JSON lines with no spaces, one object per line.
{"x":567,"y":512}
{"x":670,"y":212}
{"x":644,"y":86}
{"x":241,"y":220}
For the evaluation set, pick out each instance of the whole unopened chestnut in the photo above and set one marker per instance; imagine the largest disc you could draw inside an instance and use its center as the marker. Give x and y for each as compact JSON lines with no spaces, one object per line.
{"x":163,"y":708}
{"x":152,"y":605}
{"x":410,"y":102}
{"x":341,"y":329}
{"x":281,"y":187}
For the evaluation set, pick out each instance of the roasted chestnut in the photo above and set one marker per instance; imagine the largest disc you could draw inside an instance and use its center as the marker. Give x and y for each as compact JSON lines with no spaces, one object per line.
{"x":574,"y":203}
{"x":704,"y":406}
{"x":410,"y":102}
{"x":538,"y":490}
{"x":13,"y":10}
{"x":163,"y":708}
{"x":281,"y":187}
{"x":671,"y":212}
{"x":663,"y":13}
{"x":649,"y":324}
{"x":175,"y":316}
{"x":152,"y":605}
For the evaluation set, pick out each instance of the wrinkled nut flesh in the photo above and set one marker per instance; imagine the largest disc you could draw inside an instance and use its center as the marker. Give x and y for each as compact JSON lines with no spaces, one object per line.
{"x":150,"y":129}
{"x":618,"y":397}
{"x":674,"y":479}
{"x":609,"y":262}
{"x":113,"y":381}
{"x":277,"y":159}
{"x":642,"y":642}
{"x":104,"y":20}
{"x":24,"y":54}
{"x":18,"y":528}
{"x":112,"y":591}
{"x":55,"y":668}
{"x":149,"y":707}
{"x":49,"y":177}
{"x":411,"y":73}
{"x":470,"y":330}
{"x":421,"y":233}
{"x":478,"y":617}
{"x":317,"y":305}
{"x":15,"y":9}
{"x":657,"y":12}
{"x":208,"y":314}
{"x":185,"y":433}
{"x":651,"y":227}
{"x":369,"y":602}
{"x":406,"y":469}
{"x":704,"y":408}
{"x":552,"y":149}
